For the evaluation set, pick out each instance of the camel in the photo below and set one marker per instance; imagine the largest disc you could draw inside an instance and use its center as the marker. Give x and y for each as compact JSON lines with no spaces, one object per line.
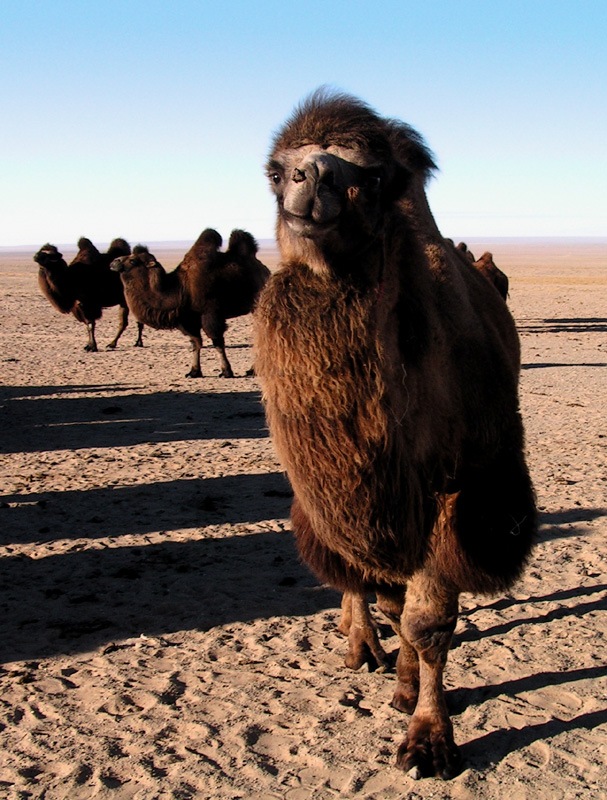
{"x":207,"y":288}
{"x":86,"y":286}
{"x":487,"y":267}
{"x":389,"y":368}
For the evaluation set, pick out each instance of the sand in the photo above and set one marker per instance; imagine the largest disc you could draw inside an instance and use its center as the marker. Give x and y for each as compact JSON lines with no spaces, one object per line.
{"x":160,"y":638}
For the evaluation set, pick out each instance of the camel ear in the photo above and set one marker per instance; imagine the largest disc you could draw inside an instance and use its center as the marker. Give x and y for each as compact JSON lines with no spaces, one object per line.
{"x":400,"y":181}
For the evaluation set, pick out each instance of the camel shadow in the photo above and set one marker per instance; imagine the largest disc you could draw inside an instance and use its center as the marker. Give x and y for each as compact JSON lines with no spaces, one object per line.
{"x":548,"y":365}
{"x":143,"y":508}
{"x":83,"y":599}
{"x":492,"y":748}
{"x":579,"y":610}
{"x":551,"y":523}
{"x":461,"y":699}
{"x":565,"y":325}
{"x":34,"y":422}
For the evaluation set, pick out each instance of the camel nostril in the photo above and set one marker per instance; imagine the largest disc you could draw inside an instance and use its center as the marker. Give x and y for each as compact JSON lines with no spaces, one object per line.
{"x":299,"y":176}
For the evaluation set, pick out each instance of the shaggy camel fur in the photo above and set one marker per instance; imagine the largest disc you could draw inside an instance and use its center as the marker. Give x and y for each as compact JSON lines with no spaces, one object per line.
{"x":206,"y":288}
{"x":86,"y":286}
{"x":389,"y":369}
{"x":487,"y":267}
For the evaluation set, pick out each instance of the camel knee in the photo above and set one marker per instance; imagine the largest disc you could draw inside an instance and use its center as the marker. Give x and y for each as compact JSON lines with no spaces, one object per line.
{"x":429,"y":635}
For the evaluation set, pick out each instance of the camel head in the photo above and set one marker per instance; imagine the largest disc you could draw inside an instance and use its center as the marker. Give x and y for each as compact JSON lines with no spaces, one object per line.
{"x":336,"y":168}
{"x":48,"y":257}
{"x":140,"y":258}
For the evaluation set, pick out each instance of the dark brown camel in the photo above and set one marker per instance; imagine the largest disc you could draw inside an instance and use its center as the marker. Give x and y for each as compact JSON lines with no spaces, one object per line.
{"x":86,"y":286}
{"x":389,"y":370}
{"x":207,"y":288}
{"x":487,"y":267}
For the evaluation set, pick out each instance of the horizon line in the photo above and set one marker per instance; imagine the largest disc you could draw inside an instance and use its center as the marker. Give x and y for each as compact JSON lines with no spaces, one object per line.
{"x":271,"y":242}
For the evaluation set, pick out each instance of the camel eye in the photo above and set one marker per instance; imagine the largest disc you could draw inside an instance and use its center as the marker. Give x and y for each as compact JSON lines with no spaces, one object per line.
{"x":276,"y":178}
{"x":374,"y":182}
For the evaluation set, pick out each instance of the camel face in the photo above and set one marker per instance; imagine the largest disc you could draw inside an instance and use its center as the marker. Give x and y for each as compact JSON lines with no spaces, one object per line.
{"x":328,"y":196}
{"x":336,"y":169}
{"x":48,"y":257}
{"x":139,"y":258}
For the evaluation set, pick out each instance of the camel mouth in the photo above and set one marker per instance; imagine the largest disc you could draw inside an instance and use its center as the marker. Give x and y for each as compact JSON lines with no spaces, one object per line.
{"x":117,"y":264}
{"x":308,"y":228}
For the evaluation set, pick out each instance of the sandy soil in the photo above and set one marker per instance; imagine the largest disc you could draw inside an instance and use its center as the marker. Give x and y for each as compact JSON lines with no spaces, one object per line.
{"x":160,"y":637}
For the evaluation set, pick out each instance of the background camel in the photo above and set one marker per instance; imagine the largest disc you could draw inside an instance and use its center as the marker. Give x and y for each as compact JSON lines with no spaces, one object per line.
{"x":207,"y":288}
{"x":487,"y":267}
{"x":389,"y":370}
{"x":86,"y":286}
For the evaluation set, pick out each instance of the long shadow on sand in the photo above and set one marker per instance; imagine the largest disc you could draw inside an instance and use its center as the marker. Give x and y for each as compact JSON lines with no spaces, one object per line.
{"x":564,"y":325}
{"x":460,"y":699}
{"x":543,"y":618}
{"x":164,"y":506}
{"x":82,"y":599}
{"x":38,"y":421}
{"x":495,"y":746}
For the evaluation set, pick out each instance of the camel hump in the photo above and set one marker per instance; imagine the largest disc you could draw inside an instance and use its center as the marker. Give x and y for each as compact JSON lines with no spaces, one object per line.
{"x":209,"y":238}
{"x":242,"y":244}
{"x":139,"y":249}
{"x":119,"y":247}
{"x":486,"y":258}
{"x":86,"y":244}
{"x":463,"y":248}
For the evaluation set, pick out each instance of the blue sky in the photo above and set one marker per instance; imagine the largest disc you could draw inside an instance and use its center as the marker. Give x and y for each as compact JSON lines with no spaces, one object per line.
{"x":152,"y":120}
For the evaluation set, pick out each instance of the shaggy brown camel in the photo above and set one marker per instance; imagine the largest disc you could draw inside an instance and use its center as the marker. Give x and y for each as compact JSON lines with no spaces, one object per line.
{"x":207,"y":288}
{"x":86,"y":286}
{"x":487,"y":267}
{"x":389,"y":369}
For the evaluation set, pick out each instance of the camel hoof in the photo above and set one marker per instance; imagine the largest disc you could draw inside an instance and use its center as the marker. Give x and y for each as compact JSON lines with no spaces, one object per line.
{"x":428,"y":753}
{"x":90,"y":349}
{"x":194,"y":373}
{"x":138,"y":344}
{"x":362,"y":656}
{"x":225,"y":374}
{"x":405,"y":698}
{"x":111,"y":346}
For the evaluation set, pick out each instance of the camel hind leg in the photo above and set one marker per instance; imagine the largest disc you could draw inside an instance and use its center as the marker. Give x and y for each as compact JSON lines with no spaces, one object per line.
{"x":363,"y":642}
{"x":391,"y":604}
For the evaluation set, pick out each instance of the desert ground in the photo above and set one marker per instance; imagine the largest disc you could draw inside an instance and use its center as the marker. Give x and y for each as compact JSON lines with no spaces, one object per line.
{"x":162,"y":640}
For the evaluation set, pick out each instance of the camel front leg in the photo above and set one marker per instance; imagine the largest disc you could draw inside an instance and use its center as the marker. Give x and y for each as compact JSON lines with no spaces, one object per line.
{"x":123,"y":321}
{"x":363,"y":642}
{"x":139,"y":340}
{"x":214,"y":325}
{"x":91,"y":345}
{"x":427,"y":626}
{"x":195,"y":371}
